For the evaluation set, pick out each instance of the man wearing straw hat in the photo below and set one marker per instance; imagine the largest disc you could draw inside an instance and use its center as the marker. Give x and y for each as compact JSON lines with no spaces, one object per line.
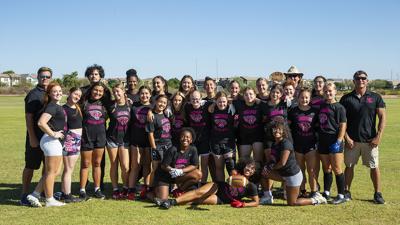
{"x":296,"y":76}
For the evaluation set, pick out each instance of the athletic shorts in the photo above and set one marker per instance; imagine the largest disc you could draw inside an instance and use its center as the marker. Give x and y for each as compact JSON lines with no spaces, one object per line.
{"x":251,"y":139}
{"x":51,"y":146}
{"x":326,"y":140}
{"x":221,"y":149}
{"x":369,"y":155}
{"x":294,"y":181}
{"x":93,"y":140}
{"x":223,"y":195}
{"x":304,"y":148}
{"x":72,"y":144}
{"x":203,"y":147}
{"x":162,"y":178}
{"x":158,"y":153}
{"x":112,"y":144}
{"x":33,"y":156}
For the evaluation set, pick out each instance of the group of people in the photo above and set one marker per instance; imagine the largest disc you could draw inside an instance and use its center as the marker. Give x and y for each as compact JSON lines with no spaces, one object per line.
{"x":245,"y":140}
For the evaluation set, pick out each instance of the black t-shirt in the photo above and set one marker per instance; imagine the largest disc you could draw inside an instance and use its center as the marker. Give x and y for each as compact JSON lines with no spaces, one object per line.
{"x":106,"y":99}
{"x":250,"y":190}
{"x":250,"y":120}
{"x":133,"y":97}
{"x":161,"y":128}
{"x":177,"y":123}
{"x":119,"y":120}
{"x":57,"y":121}
{"x":222,"y":127}
{"x":290,"y":168}
{"x":179,"y":160}
{"x":94,"y":115}
{"x":276,"y":112}
{"x":330,"y":116}
{"x":74,"y":118}
{"x":303,"y":125}
{"x":361,"y":114}
{"x":34,"y":105}
{"x":199,"y":120}
{"x":137,"y":123}
{"x":316,"y":101}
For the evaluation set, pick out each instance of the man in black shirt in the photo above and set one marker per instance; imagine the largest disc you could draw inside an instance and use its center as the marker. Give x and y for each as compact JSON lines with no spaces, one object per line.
{"x":362,"y":138}
{"x":33,"y":110}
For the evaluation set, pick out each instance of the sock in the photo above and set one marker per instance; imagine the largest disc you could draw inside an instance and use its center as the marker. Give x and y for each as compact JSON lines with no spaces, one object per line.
{"x":36,"y":194}
{"x":340,"y":183}
{"x":230,"y":165}
{"x":82,"y":190}
{"x":328,"y":178}
{"x":115,"y":189}
{"x":96,"y":188}
{"x":125,"y":187}
{"x":131,"y":190}
{"x":50,"y":199}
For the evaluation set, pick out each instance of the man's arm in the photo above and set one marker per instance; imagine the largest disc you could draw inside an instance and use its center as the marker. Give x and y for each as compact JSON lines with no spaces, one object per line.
{"x":33,"y":141}
{"x":381,"y":126}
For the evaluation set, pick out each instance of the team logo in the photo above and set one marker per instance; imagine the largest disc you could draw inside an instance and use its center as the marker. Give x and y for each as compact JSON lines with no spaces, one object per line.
{"x":323,"y":118}
{"x":304,"y":127}
{"x":123,"y":121}
{"x":220,"y":123}
{"x":249,"y":119}
{"x":141,"y":118}
{"x":196,"y":117}
{"x":166,"y":127}
{"x":178,"y":124}
{"x":95,"y":114}
{"x":370,"y":100}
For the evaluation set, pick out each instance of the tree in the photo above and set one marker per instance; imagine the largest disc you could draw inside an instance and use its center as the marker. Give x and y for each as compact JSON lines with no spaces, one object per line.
{"x":380,"y":84}
{"x":58,"y":80}
{"x":173,"y":83}
{"x":112,"y":82}
{"x":70,"y":80}
{"x":8,"y":72}
{"x":340,"y":86}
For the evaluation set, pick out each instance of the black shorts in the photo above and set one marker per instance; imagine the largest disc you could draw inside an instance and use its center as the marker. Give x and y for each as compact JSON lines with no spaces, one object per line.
{"x":222,"y":149}
{"x":326,"y":140}
{"x":162,"y":178}
{"x":250,"y":139}
{"x":92,"y":140}
{"x":33,"y":156}
{"x":203,"y":147}
{"x":158,"y":153}
{"x":223,"y":195}
{"x":304,"y":148}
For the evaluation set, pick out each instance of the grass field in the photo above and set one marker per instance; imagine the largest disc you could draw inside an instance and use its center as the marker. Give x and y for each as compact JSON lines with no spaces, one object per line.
{"x":359,"y":211}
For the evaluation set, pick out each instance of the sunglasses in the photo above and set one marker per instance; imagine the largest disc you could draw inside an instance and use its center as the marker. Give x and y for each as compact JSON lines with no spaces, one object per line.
{"x":360,"y":78}
{"x":44,"y":77}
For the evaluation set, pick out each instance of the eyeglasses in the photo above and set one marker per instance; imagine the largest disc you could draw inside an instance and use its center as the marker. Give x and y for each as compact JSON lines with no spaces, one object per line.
{"x":44,"y":77}
{"x":293,"y":75}
{"x":360,"y":78}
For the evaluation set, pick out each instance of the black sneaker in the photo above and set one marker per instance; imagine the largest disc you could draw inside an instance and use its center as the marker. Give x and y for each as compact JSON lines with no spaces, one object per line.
{"x":24,"y":201}
{"x":326,"y":196}
{"x":83,"y":196}
{"x":71,"y":199}
{"x":158,"y":202}
{"x":165,"y":205}
{"x":339,"y":200}
{"x":378,"y":199}
{"x":98,"y":194}
{"x":347,"y":195}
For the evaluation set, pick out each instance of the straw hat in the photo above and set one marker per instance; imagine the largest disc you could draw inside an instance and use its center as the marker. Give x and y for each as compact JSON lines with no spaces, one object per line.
{"x":293,"y":70}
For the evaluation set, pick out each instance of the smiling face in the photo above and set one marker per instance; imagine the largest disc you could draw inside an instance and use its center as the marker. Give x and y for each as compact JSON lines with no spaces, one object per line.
{"x":262,"y":87}
{"x":304,"y":98}
{"x":144,"y":96}
{"x":75,"y":96}
{"x":55,"y":93}
{"x":319,"y":84}
{"x":234,"y":89}
{"x":277,"y":132}
{"x":186,"y":139}
{"x":249,"y":96}
{"x":187,"y":85}
{"x":94,"y":76}
{"x":177,"y":102}
{"x":295,"y":78}
{"x":289,"y":91}
{"x":44,"y":78}
{"x":360,"y":81}
{"x":158,"y":85}
{"x":222,"y":103}
{"x":119,"y":93}
{"x":195,"y":99}
{"x":249,"y":170}
{"x":161,"y":104}
{"x":209,"y":87}
{"x":132,"y":82}
{"x":97,"y":92}
{"x":329,"y":93}
{"x":275,"y":95}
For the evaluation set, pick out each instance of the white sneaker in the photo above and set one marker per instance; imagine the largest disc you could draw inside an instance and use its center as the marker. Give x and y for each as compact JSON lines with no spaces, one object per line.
{"x":34,"y":201}
{"x":267,"y":200}
{"x":52,"y":202}
{"x":319,"y":198}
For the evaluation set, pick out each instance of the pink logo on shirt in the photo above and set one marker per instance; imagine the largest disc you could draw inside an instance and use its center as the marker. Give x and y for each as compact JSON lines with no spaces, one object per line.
{"x":96,"y":114}
{"x":221,"y":123}
{"x":250,"y":119}
{"x":370,"y":100}
{"x":196,"y":117}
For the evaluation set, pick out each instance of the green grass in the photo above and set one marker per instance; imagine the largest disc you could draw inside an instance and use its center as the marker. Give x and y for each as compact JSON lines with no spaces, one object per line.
{"x":359,"y":211}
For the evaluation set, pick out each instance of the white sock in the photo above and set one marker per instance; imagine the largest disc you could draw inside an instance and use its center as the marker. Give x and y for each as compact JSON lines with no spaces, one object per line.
{"x":82,"y":190}
{"x":36,"y":194}
{"x":327,"y":193}
{"x":96,"y":188}
{"x":50,"y":199}
{"x":115,"y":189}
{"x":341,"y":196}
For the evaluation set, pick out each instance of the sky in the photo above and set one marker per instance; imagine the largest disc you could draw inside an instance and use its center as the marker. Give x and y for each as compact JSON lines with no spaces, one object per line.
{"x":214,"y":38}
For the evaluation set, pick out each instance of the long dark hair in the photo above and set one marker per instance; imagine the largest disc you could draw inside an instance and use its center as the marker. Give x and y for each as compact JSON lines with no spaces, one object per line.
{"x":165,"y":85}
{"x":190,"y":78}
{"x":314,"y":92}
{"x":243,"y":162}
{"x":78,"y":108}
